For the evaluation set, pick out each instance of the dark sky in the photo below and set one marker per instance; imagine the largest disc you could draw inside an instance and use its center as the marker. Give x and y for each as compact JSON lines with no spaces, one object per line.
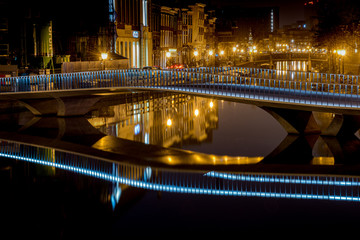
{"x":290,"y":10}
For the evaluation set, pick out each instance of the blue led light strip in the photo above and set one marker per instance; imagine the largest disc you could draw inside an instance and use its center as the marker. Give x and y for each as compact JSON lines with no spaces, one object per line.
{"x":144,"y":184}
{"x":284,"y":179}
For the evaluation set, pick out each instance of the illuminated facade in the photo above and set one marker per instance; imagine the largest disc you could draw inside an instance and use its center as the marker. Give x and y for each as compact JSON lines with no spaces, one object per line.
{"x":179,"y":32}
{"x":134,"y":39}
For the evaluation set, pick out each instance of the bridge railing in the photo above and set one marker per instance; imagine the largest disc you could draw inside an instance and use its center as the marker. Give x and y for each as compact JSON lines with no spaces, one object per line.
{"x":280,"y":74}
{"x":251,"y":83}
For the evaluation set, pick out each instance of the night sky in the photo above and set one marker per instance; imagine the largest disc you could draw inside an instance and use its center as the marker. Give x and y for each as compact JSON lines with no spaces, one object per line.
{"x":290,"y":10}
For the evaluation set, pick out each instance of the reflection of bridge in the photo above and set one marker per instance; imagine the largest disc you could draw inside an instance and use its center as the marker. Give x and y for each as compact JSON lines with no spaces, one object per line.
{"x":202,"y":182}
{"x":74,"y":94}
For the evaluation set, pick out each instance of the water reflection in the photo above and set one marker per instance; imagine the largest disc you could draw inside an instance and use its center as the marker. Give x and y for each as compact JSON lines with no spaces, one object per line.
{"x":292,"y":65}
{"x":68,"y":164}
{"x":124,"y":175}
{"x":193,"y":123}
{"x":159,"y":119}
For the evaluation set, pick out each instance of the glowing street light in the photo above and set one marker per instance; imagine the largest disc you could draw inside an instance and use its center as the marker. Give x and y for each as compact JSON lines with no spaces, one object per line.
{"x":341,"y":52}
{"x":169,"y":122}
{"x":196,"y":53}
{"x":104,"y":56}
{"x":211,"y":104}
{"x":211,"y":52}
{"x":168,"y":54}
{"x":222,"y":52}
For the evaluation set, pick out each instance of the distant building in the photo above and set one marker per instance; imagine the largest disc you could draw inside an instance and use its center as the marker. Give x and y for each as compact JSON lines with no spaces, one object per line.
{"x":310,"y":14}
{"x":182,"y":35}
{"x":4,"y":35}
{"x":296,"y":38}
{"x":134,"y":38}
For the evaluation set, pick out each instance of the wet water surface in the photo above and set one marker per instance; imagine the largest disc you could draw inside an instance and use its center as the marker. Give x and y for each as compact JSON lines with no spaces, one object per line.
{"x":59,"y":180}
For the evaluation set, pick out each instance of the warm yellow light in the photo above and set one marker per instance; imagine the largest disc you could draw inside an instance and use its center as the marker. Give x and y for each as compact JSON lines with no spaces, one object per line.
{"x":196,"y":112}
{"x":234,"y":49}
{"x":211,"y":104}
{"x":169,"y":122}
{"x":211,"y":52}
{"x":196,"y":53}
{"x":254,"y":47}
{"x":221,"y":52}
{"x":104,"y":56}
{"x":168,"y":54}
{"x":341,"y":52}
{"x":242,"y":50}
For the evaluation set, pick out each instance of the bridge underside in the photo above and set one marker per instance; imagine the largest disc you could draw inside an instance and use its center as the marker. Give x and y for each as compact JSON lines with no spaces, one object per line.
{"x":294,"y":119}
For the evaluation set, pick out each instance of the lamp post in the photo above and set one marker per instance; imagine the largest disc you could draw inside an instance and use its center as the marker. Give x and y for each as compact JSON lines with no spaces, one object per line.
{"x":196,"y":53}
{"x":104,"y":56}
{"x":341,"y":53}
{"x":211,"y":53}
{"x":168,"y":56}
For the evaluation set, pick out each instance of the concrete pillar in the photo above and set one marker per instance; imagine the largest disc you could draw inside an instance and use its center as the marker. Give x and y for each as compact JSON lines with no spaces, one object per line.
{"x":295,"y":121}
{"x":60,"y":106}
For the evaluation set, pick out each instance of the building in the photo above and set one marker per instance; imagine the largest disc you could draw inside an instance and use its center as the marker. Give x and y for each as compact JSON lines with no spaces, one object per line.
{"x":295,"y":38}
{"x":134,"y":38}
{"x":182,"y":35}
{"x":4,"y":35}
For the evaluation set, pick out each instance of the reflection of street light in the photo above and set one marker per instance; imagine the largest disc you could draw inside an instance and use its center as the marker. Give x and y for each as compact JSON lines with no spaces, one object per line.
{"x":211,"y":104}
{"x":196,"y":112}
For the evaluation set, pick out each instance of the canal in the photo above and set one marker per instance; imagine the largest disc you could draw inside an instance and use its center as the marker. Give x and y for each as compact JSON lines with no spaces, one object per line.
{"x":90,"y":177}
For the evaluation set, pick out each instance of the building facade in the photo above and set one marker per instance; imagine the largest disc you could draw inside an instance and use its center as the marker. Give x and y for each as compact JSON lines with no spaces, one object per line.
{"x":134,"y":38}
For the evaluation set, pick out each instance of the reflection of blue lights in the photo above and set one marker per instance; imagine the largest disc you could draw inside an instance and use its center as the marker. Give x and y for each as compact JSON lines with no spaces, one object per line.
{"x":282,"y":179}
{"x":137,"y":129}
{"x":146,"y":138}
{"x":213,"y":183}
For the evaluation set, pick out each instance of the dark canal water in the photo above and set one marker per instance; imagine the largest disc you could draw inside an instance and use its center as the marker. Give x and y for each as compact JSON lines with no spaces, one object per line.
{"x":90,"y":178}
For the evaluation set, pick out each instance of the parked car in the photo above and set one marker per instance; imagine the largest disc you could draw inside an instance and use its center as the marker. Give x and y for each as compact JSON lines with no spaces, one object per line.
{"x":152,"y":67}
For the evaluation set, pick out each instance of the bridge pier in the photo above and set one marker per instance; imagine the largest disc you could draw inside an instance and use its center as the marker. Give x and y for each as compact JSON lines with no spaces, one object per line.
{"x":60,"y":106}
{"x":294,"y":121}
{"x":307,"y":122}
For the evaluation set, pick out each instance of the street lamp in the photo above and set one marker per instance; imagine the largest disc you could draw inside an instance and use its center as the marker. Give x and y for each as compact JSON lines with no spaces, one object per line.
{"x":196,"y":53}
{"x":104,"y":56}
{"x":341,"y":53}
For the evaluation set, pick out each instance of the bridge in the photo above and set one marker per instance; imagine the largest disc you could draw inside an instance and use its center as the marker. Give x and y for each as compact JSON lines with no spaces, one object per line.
{"x":299,"y":92}
{"x":291,"y":88}
{"x":291,"y":56}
